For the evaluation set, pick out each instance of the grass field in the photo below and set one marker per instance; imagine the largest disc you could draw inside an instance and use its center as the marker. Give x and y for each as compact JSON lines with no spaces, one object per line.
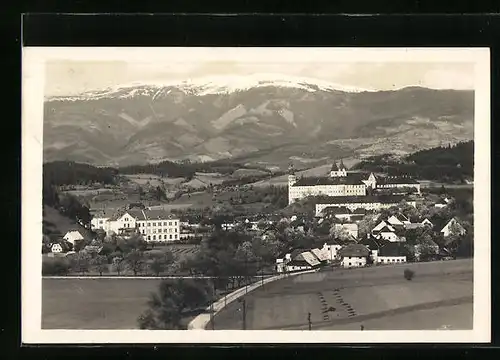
{"x":94,"y":304}
{"x":439,"y":296}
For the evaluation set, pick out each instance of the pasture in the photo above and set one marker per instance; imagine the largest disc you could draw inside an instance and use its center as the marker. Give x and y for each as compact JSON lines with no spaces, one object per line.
{"x":95,"y":304}
{"x":439,"y":296}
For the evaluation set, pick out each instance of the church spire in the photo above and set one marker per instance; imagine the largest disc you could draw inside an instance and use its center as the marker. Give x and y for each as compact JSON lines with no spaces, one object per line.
{"x":342,"y":166}
{"x":334,"y":166}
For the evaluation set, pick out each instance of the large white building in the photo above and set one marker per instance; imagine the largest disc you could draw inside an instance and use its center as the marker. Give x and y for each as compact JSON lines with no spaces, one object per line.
{"x":341,"y":183}
{"x":154,"y":225}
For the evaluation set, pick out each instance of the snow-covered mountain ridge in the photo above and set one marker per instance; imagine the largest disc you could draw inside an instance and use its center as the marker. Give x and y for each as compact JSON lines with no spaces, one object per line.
{"x":211,"y":85}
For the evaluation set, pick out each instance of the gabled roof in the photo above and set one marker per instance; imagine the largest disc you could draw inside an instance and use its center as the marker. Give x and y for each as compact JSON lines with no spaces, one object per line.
{"x":356,"y":250}
{"x":308,"y":257}
{"x":334,"y":167}
{"x":390,"y":249}
{"x":387,"y":228}
{"x":150,"y":214}
{"x":341,"y":165}
{"x":319,"y":254}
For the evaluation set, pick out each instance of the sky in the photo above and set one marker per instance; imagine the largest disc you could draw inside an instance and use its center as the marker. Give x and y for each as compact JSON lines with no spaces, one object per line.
{"x":63,"y":77}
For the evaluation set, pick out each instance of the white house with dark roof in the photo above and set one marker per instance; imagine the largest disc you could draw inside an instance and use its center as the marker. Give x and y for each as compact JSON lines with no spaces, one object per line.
{"x":354,"y":255}
{"x":350,"y":228}
{"x":390,"y":253}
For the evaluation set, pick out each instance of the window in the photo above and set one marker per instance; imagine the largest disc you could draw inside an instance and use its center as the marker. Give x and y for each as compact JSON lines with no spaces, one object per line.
{"x":175,"y":229}
{"x":170,"y":223}
{"x":149,"y":237}
{"x":170,"y":236}
{"x":175,"y":237}
{"x":154,"y":237}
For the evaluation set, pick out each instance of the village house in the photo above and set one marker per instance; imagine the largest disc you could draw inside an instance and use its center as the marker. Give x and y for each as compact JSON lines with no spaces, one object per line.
{"x":73,"y":236}
{"x":390,"y":253}
{"x":303,"y":261}
{"x":320,"y":255}
{"x":331,"y":251}
{"x":442,"y":202}
{"x":354,"y":255}
{"x":451,"y":226}
{"x":56,"y":248}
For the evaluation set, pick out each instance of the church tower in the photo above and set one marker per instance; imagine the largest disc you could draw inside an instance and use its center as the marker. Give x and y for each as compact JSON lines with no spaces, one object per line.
{"x":342,"y":169}
{"x":338,"y":171}
{"x":334,"y":170}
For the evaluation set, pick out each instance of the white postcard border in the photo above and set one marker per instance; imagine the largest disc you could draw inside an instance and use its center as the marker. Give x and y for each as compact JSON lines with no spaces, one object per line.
{"x":31,"y":189}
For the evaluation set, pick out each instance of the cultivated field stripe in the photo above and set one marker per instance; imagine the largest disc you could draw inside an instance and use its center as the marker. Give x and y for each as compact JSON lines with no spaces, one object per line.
{"x":402,"y":310}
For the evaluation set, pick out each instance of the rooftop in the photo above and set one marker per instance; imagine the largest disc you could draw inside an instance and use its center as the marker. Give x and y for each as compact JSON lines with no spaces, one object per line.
{"x":350,"y":179}
{"x":385,"y":199}
{"x":356,"y":250}
{"x":396,"y":180}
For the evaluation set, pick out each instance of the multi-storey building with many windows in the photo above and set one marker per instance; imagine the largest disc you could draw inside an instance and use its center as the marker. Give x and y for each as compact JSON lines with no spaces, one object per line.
{"x":153,"y":225}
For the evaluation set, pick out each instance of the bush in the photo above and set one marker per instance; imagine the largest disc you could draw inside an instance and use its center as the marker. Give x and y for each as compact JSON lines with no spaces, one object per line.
{"x":55,"y":266}
{"x":409,"y":274}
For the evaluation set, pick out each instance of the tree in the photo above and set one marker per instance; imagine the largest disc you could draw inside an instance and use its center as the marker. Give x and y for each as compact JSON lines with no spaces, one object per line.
{"x":135,"y":261}
{"x":101,"y":264}
{"x":80,"y":262}
{"x":340,"y":233}
{"x":158,"y":264}
{"x":55,"y":266}
{"x":168,"y":306}
{"x":119,"y":264}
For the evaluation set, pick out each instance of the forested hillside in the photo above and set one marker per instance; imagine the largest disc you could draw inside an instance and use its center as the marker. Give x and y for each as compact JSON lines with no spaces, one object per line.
{"x":444,"y":163}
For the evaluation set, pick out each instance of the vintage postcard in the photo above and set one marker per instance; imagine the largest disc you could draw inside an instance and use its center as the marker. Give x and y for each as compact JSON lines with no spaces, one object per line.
{"x":253,"y":195}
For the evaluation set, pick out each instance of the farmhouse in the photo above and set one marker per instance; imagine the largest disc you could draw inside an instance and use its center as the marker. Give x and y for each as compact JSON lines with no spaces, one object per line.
{"x":390,"y":254}
{"x":331,"y":251}
{"x":354,"y":255}
{"x":72,"y":236}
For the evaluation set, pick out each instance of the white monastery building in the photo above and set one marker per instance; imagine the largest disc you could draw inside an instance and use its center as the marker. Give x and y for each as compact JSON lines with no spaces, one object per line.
{"x":347,"y":186}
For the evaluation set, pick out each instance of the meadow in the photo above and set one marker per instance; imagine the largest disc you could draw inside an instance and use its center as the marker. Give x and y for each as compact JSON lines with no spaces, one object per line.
{"x":439,"y":296}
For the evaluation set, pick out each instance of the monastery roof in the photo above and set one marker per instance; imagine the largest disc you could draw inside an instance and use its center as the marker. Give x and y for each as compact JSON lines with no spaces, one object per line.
{"x":150,"y":214}
{"x":385,"y":199}
{"x":350,"y":179}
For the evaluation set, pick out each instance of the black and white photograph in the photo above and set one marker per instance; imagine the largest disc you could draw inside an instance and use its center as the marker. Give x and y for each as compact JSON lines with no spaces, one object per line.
{"x":343,"y":193}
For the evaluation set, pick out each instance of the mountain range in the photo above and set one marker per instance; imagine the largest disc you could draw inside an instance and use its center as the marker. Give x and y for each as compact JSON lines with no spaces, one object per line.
{"x":266,"y":120}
